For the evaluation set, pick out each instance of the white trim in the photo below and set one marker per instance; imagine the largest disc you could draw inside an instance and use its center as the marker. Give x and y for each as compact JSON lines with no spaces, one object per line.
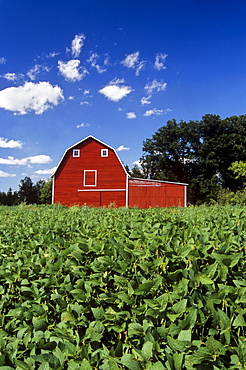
{"x":74,"y":151}
{"x":185,"y":196}
{"x":53,"y":190}
{"x":106,"y":153}
{"x":95,"y":171}
{"x":101,"y":189}
{"x":127,"y":191}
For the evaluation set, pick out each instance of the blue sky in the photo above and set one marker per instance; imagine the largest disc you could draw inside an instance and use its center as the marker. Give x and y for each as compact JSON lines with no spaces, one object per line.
{"x":114,"y":69}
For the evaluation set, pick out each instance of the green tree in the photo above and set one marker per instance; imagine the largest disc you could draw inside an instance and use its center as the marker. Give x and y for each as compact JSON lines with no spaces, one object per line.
{"x":28,"y":191}
{"x":198,"y":153}
{"x":45,"y":196}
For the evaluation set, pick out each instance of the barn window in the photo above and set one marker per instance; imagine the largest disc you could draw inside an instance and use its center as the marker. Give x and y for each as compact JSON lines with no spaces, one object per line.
{"x":104,"y":152}
{"x":90,"y":178}
{"x":76,"y":153}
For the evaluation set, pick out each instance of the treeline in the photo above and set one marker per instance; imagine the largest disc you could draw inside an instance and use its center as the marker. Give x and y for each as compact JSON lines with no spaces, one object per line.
{"x":200,"y":153}
{"x":29,"y":193}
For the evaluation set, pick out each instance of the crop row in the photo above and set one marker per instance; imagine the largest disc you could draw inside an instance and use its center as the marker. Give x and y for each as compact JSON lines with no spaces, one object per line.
{"x":123,"y":288}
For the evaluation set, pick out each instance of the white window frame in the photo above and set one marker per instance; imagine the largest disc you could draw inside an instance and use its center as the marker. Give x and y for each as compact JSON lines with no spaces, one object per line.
{"x":95,"y":171}
{"x":76,"y":151}
{"x":102,"y":152}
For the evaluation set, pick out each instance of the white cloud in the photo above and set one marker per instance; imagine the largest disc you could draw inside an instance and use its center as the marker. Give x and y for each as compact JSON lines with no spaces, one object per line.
{"x":85,"y":102}
{"x":70,"y":97}
{"x":93,"y":62}
{"x":46,"y":172}
{"x":2,"y":60}
{"x":137,"y":163}
{"x":36,"y":70}
{"x":4,"y":143}
{"x":157,"y":112}
{"x":6,"y":174}
{"x":160,"y":60}
{"x":30,"y":97}
{"x":131,"y":61}
{"x":52,"y":55}
{"x":155,"y":86}
{"x":114,"y":91}
{"x":131,"y":115}
{"x":13,"y":76}
{"x":36,"y":159}
{"x":83,"y":125}
{"x":77,"y":44}
{"x":151,"y":112}
{"x":145,"y":100}
{"x":71,"y":71}
{"x":122,"y":147}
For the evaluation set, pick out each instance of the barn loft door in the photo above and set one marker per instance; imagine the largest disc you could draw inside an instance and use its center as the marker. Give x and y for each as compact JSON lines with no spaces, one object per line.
{"x":90,"y":178}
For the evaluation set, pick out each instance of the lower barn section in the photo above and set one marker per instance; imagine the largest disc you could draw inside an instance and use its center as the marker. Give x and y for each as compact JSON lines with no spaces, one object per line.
{"x":152,"y":193}
{"x":94,"y":198}
{"x":140,"y":193}
{"x":103,"y":198}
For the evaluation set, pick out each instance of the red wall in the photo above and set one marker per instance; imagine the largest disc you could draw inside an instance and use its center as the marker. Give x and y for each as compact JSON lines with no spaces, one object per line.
{"x":144,"y":194}
{"x":69,"y":177}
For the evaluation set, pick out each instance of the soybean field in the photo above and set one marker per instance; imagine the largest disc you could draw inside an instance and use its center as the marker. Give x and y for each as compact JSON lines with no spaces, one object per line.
{"x":111,"y":289}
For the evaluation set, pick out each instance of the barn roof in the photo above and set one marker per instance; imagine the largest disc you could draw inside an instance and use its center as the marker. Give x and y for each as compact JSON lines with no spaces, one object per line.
{"x":81,"y":141}
{"x":162,"y":181}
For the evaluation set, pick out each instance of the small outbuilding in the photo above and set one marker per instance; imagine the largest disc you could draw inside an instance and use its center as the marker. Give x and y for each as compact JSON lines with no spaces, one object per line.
{"x":90,"y":172}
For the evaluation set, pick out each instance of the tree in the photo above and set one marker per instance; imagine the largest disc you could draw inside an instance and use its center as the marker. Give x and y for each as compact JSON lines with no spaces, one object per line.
{"x":46,"y":192}
{"x":28,"y":191}
{"x":198,"y":153}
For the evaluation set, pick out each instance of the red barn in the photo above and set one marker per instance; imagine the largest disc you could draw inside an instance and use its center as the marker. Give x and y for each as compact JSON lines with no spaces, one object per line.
{"x":90,"y":172}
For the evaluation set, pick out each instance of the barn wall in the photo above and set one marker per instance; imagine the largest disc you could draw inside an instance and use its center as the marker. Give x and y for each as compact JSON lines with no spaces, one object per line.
{"x":70,"y":181}
{"x":144,"y":194}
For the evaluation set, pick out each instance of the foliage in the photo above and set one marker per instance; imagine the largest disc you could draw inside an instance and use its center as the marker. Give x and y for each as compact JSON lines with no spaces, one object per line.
{"x":29,"y":193}
{"x":123,"y":288}
{"x":226,"y":197}
{"x":45,"y":196}
{"x":199,"y":153}
{"x":135,"y":172}
{"x":239,"y":169}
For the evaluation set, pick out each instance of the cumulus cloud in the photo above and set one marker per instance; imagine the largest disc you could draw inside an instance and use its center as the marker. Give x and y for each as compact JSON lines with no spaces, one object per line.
{"x":71,"y":71}
{"x":46,"y":172}
{"x":122,"y":147}
{"x":4,"y":143}
{"x":155,"y":86}
{"x":6,"y":174}
{"x":36,"y":70}
{"x":93,"y":62}
{"x":30,"y":97}
{"x":132,"y":61}
{"x":36,"y":159}
{"x":2,"y":60}
{"x":83,"y":124}
{"x":160,"y":60}
{"x":114,"y":91}
{"x":155,"y":111}
{"x":131,"y":115}
{"x":77,"y":44}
